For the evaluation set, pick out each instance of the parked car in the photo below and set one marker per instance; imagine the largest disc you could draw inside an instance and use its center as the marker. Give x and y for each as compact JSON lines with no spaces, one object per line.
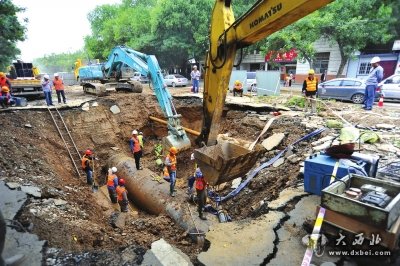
{"x":390,"y":87}
{"x":251,"y":82}
{"x":175,"y":80}
{"x":139,"y":77}
{"x":348,"y":89}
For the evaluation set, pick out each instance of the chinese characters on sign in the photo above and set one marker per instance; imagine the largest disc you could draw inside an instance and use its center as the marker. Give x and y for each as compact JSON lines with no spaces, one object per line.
{"x":358,"y":240}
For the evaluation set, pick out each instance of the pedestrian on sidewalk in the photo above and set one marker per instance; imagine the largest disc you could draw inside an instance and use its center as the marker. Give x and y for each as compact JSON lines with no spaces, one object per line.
{"x":323,"y":76}
{"x":170,"y":169}
{"x":201,"y":191}
{"x":291,"y":80}
{"x":87,"y":159}
{"x":375,"y":76}
{"x":195,"y":75}
{"x":310,"y":90}
{"x":46,"y":86}
{"x":122,"y":195}
{"x":112,"y":183}
{"x":58,"y":84}
{"x":136,"y":148}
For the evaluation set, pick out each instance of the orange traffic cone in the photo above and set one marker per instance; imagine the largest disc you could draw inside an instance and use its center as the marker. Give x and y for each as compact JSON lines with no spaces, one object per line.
{"x":380,"y":103}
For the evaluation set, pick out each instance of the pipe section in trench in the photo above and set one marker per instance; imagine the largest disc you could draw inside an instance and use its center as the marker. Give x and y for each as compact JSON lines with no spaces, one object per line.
{"x":149,"y":195}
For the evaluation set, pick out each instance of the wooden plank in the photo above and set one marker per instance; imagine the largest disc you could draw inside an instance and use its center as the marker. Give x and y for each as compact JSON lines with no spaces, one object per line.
{"x":389,"y":238}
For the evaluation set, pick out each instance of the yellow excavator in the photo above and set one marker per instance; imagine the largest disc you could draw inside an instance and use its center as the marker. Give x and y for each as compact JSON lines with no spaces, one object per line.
{"x":222,"y":162}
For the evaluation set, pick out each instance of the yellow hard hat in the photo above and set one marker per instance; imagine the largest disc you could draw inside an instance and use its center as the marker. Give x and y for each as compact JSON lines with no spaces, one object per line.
{"x":2,"y":75}
{"x":311,"y":72}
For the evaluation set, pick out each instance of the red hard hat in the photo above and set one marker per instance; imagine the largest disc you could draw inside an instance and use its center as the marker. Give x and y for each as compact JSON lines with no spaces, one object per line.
{"x":121,"y":182}
{"x":88,"y":152}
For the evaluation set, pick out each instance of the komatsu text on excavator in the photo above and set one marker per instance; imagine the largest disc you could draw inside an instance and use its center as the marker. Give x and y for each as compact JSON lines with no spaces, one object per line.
{"x":221,"y":162}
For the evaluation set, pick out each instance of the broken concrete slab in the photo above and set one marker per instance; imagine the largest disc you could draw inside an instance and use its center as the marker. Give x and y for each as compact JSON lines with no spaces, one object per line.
{"x":121,"y":220}
{"x":60,"y":202}
{"x":85,"y":107}
{"x":32,"y":190}
{"x":290,"y":248}
{"x":246,"y":242}
{"x":115,"y":109}
{"x":273,"y":141}
{"x":236,"y":182}
{"x":26,"y":244}
{"x":163,"y":254}
{"x":293,"y":158}
{"x":28,"y":125}
{"x":278,"y":162}
{"x":387,"y":148}
{"x":95,"y":104}
{"x":385,"y":126}
{"x":11,"y":201}
{"x":322,"y":140}
{"x":12,"y":185}
{"x":285,"y":196}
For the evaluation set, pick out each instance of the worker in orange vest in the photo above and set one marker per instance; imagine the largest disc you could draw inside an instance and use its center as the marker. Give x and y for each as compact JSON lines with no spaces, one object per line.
{"x":136,"y":149}
{"x":112,"y":183}
{"x":310,"y":91}
{"x":122,"y":195}
{"x":201,"y":192}
{"x":170,"y":169}
{"x":59,"y":86}
{"x":5,"y":96}
{"x":4,"y":81}
{"x":87,"y":158}
{"x":238,"y":88}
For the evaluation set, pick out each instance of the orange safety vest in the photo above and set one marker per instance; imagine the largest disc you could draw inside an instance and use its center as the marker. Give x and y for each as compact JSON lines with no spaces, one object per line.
{"x":58,"y":84}
{"x":172,"y":159}
{"x":110,"y":180}
{"x":3,"y":82}
{"x":311,"y":84}
{"x":200,"y":183}
{"x":136,"y":144}
{"x":238,"y":86}
{"x":84,"y":160}
{"x":120,"y":192}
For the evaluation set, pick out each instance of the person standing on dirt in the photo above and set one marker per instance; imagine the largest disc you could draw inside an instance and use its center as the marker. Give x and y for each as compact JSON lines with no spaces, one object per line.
{"x":375,"y":76}
{"x":141,"y":140}
{"x":310,"y":90}
{"x":170,"y":169}
{"x":136,"y":149}
{"x":201,"y":192}
{"x":88,"y":158}
{"x":112,"y":183}
{"x":122,"y":195}
{"x":59,"y":86}
{"x":46,"y":86}
{"x":195,"y":75}
{"x":192,"y":178}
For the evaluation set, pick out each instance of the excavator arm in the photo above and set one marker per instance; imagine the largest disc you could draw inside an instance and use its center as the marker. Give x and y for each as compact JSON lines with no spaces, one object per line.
{"x":148,"y":65}
{"x":228,"y":35}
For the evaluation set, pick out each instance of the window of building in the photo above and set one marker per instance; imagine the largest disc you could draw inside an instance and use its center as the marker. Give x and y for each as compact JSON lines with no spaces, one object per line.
{"x":364,"y":68}
{"x":321,"y":62}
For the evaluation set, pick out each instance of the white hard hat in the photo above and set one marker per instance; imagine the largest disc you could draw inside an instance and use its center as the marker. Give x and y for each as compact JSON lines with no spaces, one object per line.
{"x":134,"y":132}
{"x":114,"y":169}
{"x":375,"y":59}
{"x":140,"y":133}
{"x":56,"y":74}
{"x":46,"y":76}
{"x":192,"y":156}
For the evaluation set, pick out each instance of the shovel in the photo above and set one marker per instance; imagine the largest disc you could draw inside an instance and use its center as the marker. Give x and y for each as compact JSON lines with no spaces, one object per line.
{"x":95,"y":186}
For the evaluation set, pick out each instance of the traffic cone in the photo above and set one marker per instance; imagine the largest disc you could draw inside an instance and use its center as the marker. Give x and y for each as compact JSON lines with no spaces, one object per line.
{"x":380,"y":103}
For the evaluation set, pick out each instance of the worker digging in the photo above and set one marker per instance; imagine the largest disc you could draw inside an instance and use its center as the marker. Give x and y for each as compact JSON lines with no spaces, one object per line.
{"x":155,"y":173}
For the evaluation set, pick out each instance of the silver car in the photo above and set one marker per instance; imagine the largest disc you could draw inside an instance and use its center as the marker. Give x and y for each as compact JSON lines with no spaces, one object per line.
{"x":348,"y":89}
{"x":175,"y":80}
{"x":390,"y":87}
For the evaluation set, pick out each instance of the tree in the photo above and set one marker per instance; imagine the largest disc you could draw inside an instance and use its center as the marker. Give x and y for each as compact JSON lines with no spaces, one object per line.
{"x":300,"y":35}
{"x":11,"y":31}
{"x":63,"y":62}
{"x":353,"y":24}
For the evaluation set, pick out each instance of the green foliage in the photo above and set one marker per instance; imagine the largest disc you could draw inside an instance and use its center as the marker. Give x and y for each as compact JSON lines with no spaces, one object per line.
{"x":353,"y":24}
{"x":63,"y":62}
{"x":296,"y":101}
{"x":11,"y":31}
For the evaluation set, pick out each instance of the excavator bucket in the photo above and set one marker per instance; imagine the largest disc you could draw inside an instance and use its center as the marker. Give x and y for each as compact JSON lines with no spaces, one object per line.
{"x":94,"y":88}
{"x":179,"y":143}
{"x":226,"y":161}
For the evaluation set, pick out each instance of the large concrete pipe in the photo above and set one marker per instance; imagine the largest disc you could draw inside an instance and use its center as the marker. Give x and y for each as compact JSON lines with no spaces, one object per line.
{"x":151,"y":196}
